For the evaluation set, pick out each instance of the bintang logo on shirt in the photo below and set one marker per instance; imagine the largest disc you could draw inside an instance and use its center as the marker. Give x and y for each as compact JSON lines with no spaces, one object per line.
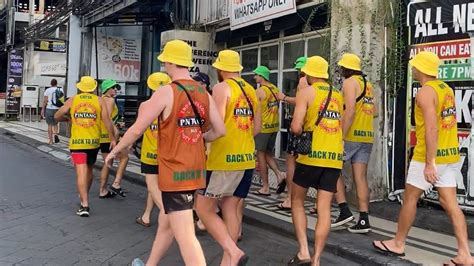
{"x":188,"y":124}
{"x":243,"y":115}
{"x":368,"y":105}
{"x":448,"y":112}
{"x":85,"y":115}
{"x":331,"y":122}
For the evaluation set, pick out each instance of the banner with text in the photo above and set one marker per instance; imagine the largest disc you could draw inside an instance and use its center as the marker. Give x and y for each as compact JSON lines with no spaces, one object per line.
{"x":247,"y":12}
{"x":442,"y":27}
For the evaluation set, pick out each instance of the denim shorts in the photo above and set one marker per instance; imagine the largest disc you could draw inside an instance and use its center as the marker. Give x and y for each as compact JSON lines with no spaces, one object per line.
{"x":357,"y":152}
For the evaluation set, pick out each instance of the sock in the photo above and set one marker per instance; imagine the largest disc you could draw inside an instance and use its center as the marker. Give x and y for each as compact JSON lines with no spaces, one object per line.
{"x":364,"y":216}
{"x":344,"y":208}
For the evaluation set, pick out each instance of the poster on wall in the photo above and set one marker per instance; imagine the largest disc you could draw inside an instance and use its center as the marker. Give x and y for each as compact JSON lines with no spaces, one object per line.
{"x":204,"y":52}
{"x":119,"y":58}
{"x":444,"y":28}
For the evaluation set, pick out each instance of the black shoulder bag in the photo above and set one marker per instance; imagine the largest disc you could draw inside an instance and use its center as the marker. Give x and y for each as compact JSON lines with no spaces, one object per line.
{"x":304,"y":142}
{"x":246,"y":97}
{"x":195,"y":110}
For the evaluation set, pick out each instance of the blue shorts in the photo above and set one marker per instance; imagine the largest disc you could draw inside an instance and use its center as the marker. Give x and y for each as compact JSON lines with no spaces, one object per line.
{"x":357,"y":152}
{"x":243,"y":188}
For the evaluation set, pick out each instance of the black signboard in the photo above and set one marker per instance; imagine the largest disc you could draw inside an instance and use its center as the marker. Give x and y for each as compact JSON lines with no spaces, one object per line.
{"x":14,"y":81}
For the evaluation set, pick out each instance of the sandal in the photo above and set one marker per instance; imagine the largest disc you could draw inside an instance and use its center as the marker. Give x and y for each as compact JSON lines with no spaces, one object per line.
{"x":108,"y":195}
{"x":243,"y":260}
{"x":281,"y":186}
{"x":313,"y":211}
{"x":386,"y":250}
{"x":140,"y":221}
{"x":281,"y":207}
{"x":118,"y":191}
{"x":257,"y":192}
{"x":297,"y":261}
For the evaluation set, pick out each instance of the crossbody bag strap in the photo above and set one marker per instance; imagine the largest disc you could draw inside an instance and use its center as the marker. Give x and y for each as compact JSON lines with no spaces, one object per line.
{"x":196,"y":113}
{"x":325,"y":108}
{"x":245,"y":94}
{"x":364,"y":91}
{"x":274,"y":96}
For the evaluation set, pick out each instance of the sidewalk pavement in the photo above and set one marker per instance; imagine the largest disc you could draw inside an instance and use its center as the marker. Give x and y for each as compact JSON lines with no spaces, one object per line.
{"x":430,"y":242}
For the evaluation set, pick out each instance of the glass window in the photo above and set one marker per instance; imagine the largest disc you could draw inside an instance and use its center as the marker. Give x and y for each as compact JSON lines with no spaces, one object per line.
{"x":292,"y":50}
{"x":274,"y":78}
{"x":269,"y":57}
{"x":249,"y":79}
{"x":290,"y":81}
{"x":249,"y":59}
{"x":319,"y":46}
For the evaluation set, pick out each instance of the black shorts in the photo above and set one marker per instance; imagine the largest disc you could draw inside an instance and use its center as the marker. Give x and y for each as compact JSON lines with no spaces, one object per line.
{"x":177,"y":201}
{"x":243,"y":189}
{"x":105,"y":147}
{"x":149,"y":169}
{"x":317,"y":177}
{"x":91,"y":155}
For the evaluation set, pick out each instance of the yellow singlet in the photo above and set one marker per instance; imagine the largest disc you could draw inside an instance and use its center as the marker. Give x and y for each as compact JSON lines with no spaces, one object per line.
{"x":269,"y":108}
{"x":149,"y":153}
{"x":362,"y":128}
{"x":85,"y":117}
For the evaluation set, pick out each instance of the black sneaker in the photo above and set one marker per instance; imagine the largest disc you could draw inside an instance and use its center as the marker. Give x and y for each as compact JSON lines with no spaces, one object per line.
{"x":362,"y":227}
{"x":342,"y":219}
{"x":83,"y":211}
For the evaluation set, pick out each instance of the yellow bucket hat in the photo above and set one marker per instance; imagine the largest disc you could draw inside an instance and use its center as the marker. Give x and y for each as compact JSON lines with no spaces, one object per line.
{"x":158,"y":79}
{"x":316,"y":67}
{"x":87,"y":84}
{"x":228,"y":60}
{"x":426,"y":62}
{"x":350,"y":61}
{"x":177,"y":52}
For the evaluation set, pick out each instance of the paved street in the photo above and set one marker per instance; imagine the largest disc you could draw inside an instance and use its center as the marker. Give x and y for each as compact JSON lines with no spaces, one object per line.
{"x":38,"y":225}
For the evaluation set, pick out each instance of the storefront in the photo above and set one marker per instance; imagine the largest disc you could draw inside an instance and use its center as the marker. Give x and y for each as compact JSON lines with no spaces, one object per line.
{"x":277,"y":43}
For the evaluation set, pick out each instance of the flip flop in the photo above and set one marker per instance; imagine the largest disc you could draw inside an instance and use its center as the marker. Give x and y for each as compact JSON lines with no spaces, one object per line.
{"x":297,"y":261}
{"x":243,"y":260}
{"x":108,"y":195}
{"x":281,"y":186}
{"x":140,"y":221}
{"x":257,"y":192}
{"x":118,"y":191}
{"x":386,"y":250}
{"x":453,"y":262}
{"x":281,"y":207}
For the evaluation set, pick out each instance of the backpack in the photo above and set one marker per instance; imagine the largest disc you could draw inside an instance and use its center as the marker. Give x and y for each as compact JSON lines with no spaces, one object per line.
{"x":58,"y":98}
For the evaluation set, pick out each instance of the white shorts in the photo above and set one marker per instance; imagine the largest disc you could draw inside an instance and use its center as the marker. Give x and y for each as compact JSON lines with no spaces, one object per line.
{"x":447,"y":173}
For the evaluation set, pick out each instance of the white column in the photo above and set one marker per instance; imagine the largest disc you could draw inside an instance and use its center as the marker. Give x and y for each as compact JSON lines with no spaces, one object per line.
{"x":74,"y":56}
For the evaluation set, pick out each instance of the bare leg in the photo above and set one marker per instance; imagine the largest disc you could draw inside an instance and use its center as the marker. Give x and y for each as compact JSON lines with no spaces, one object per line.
{"x":182,"y":225}
{"x":263,"y":168}
{"x":152,"y":198}
{"x":323,"y":225}
{"x":206,"y":209}
{"x":290,"y":172}
{"x":83,"y":184}
{"x":359,"y":172}
{"x":104,"y":176}
{"x":299,"y":220}
{"x":90,"y":177}
{"x":50,"y":134}
{"x":163,"y":239}
{"x":340,"y":195}
{"x":121,"y":169}
{"x":405,"y":219}
{"x":447,"y":198}
{"x":240,"y":215}
{"x":273,"y":165}
{"x":229,"y":207}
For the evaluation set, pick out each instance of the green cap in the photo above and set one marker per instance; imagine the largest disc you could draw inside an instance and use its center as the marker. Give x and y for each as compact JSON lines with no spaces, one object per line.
{"x":107,"y":84}
{"x":300,"y":62}
{"x":263,"y":71}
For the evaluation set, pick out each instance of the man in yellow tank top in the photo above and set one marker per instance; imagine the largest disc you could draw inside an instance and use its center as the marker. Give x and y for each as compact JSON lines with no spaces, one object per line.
{"x":149,"y":155}
{"x":358,"y":120}
{"x":321,"y":167}
{"x":231,"y":161}
{"x":434,"y":161}
{"x":108,"y":89}
{"x":86,"y":111}
{"x":265,"y":140}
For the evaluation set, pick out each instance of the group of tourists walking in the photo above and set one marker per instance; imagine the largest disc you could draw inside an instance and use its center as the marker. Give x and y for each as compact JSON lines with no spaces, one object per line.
{"x":200,"y":146}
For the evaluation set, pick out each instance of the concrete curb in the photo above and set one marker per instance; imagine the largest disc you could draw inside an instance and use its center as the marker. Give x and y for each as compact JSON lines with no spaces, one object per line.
{"x":344,"y":244}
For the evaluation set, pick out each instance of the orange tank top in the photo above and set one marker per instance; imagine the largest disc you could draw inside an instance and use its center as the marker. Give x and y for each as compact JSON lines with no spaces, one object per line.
{"x":181,"y":151}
